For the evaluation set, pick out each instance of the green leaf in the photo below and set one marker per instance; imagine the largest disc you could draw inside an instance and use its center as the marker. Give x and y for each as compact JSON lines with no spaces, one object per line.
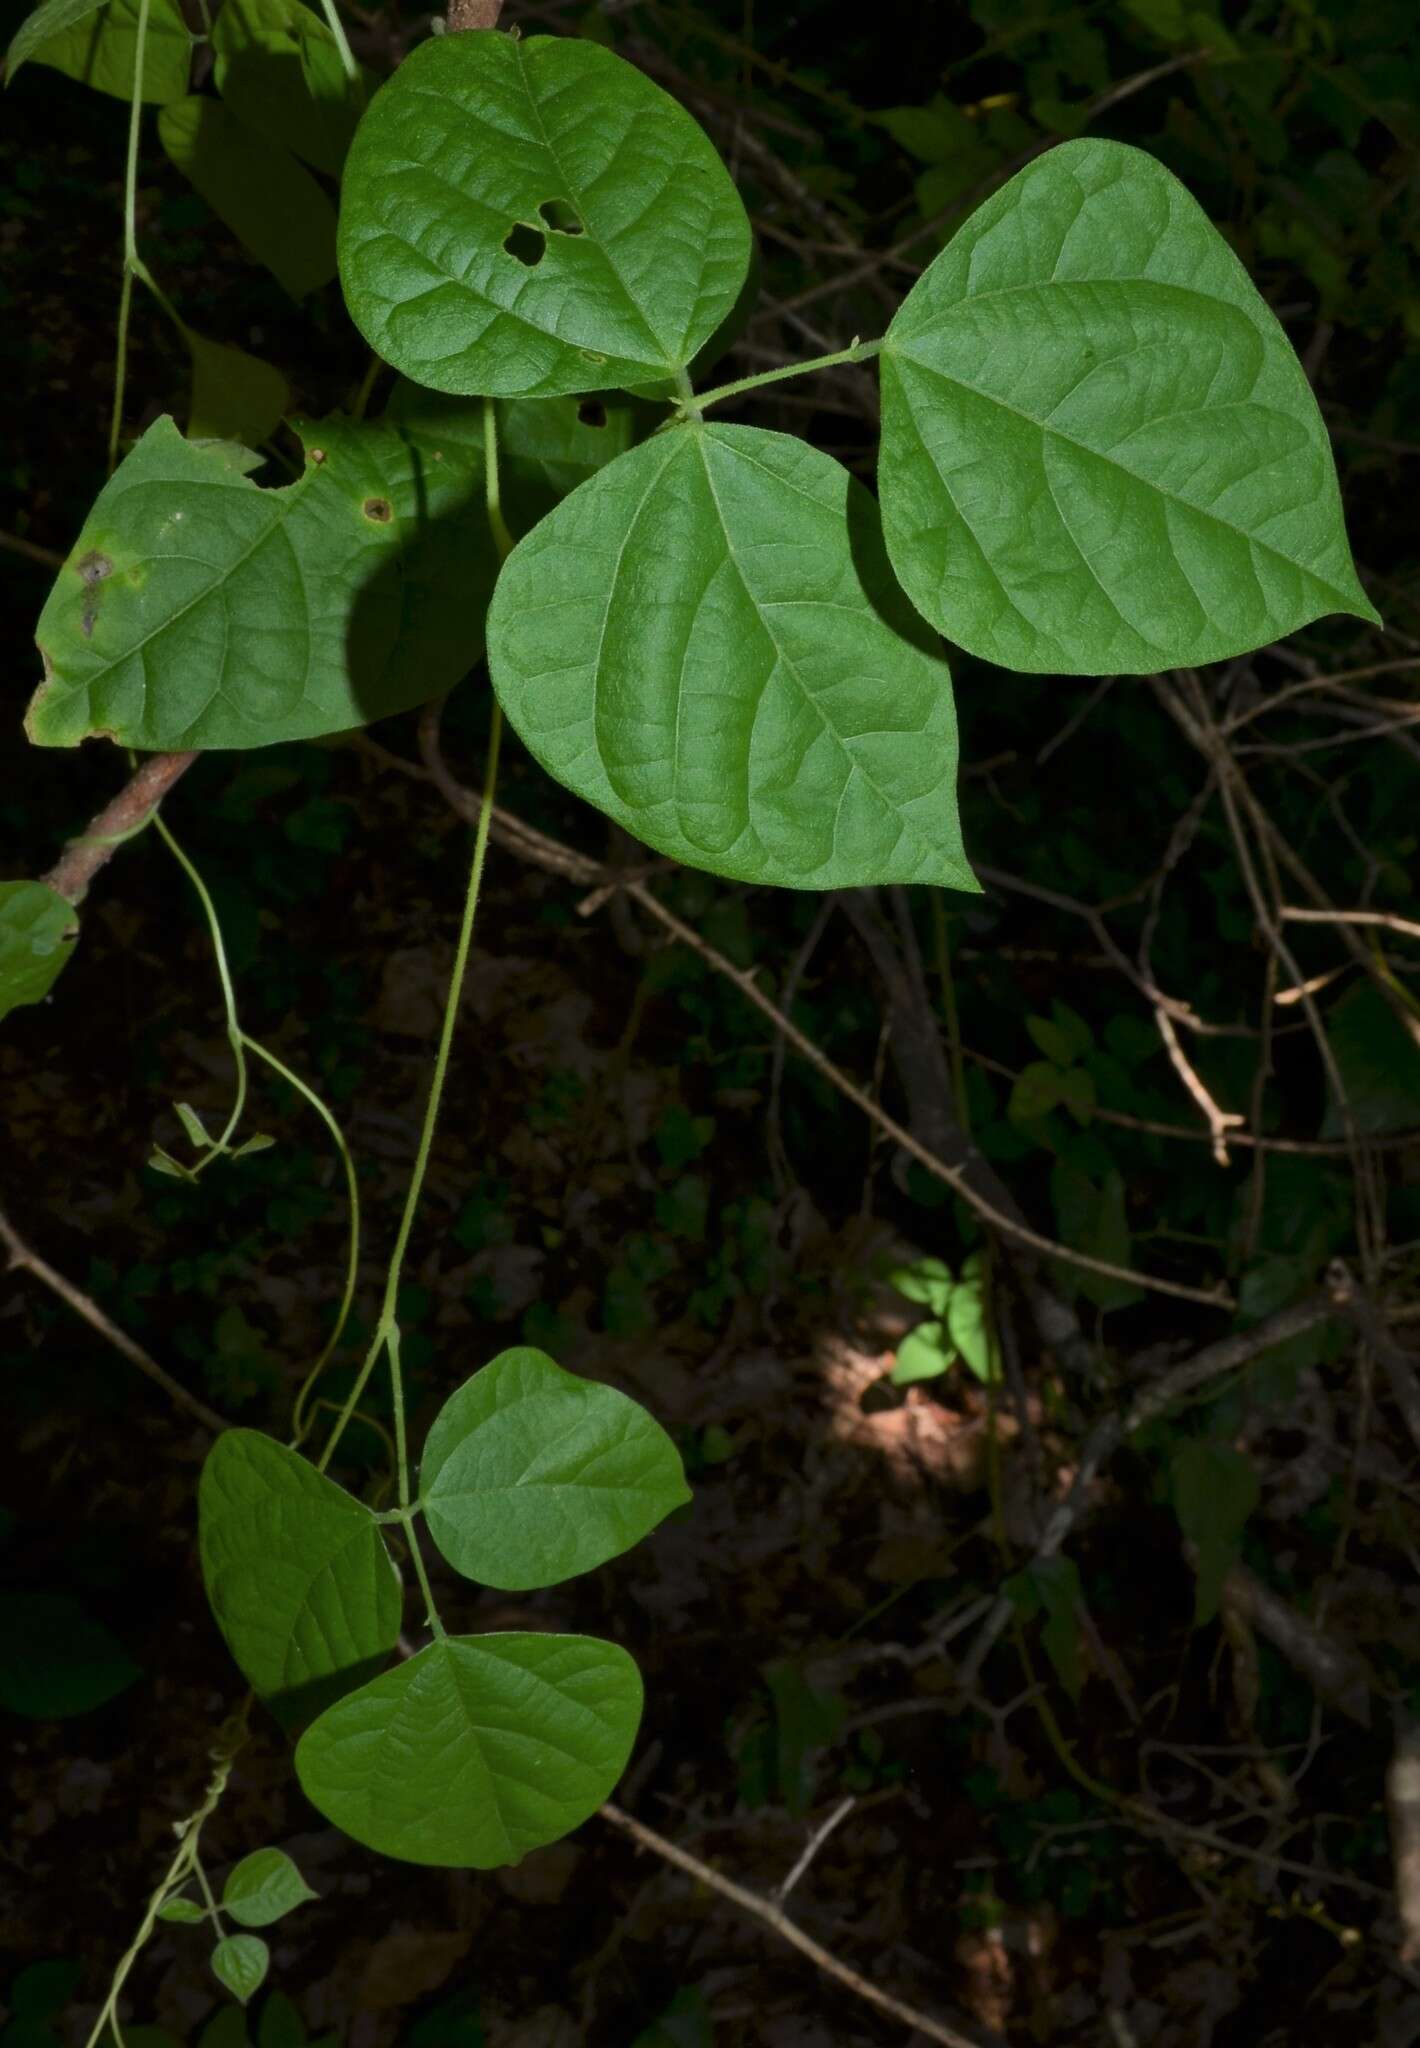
{"x":235,"y":396}
{"x":183,"y":1912}
{"x":227,"y":2028}
{"x":38,"y":928}
{"x":280,"y":2025}
{"x":546,"y":446}
{"x":1215,"y":1489}
{"x":240,"y":1963}
{"x":531,"y":1475}
{"x":262,"y":1887}
{"x":529,"y":217}
{"x":1094,"y":1219}
{"x":705,"y":642}
{"x":1052,"y":1585}
{"x":1377,"y":1055}
{"x":275,"y":209}
{"x":477,"y":1749}
{"x":1037,"y":1090}
{"x":1077,"y":1093}
{"x":924,"y":1354}
{"x":198,"y":610}
{"x":95,"y":41}
{"x":972,"y":1330}
{"x":299,"y":1579}
{"x":279,"y":71}
{"x":1099,"y":451}
{"x":927,"y":1281}
{"x":55,"y":1659}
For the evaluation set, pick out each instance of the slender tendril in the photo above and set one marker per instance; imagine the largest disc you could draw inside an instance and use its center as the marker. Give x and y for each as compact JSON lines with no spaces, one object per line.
{"x":236,"y":1037}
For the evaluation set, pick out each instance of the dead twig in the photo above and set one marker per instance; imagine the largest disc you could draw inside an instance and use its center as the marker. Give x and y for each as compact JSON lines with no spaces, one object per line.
{"x":23,"y":1259}
{"x":775,"y":1918}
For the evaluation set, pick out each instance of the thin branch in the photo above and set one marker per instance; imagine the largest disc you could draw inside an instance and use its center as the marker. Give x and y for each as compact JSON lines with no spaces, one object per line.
{"x":558,"y":859}
{"x":775,"y":1918}
{"x":128,"y":813}
{"x":1387,"y":919}
{"x":23,"y":1259}
{"x":48,"y":558}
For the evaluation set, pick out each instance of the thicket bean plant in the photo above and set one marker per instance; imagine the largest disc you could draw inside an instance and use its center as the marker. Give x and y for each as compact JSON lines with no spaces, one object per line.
{"x":1099,"y":455}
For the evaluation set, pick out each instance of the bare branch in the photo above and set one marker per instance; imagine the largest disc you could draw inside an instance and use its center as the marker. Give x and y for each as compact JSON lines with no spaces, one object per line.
{"x":128,"y":813}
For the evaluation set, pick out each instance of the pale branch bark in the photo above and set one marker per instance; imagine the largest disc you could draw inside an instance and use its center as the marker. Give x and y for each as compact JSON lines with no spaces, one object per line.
{"x":775,"y":1918}
{"x":1335,"y":1672}
{"x":129,"y":811}
{"x":1403,"y":1808}
{"x":24,"y":1259}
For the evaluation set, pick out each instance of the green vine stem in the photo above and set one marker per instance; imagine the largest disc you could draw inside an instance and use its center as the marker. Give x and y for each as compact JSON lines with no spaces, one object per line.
{"x":185,"y":1864}
{"x":236,"y":1037}
{"x":337,"y":29}
{"x":130,"y":236}
{"x":859,"y":352}
{"x":386,"y":1338}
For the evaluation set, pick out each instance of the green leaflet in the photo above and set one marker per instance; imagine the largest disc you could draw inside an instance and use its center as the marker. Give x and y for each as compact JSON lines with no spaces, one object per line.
{"x":94,"y":41}
{"x":235,"y":396}
{"x":531,"y":1475}
{"x":263,"y":1887}
{"x":477,"y":1749}
{"x":273,"y":206}
{"x":37,"y":933}
{"x":629,"y":243}
{"x":1215,"y":1489}
{"x":198,"y":610}
{"x":240,"y":1964}
{"x":298,"y":1576}
{"x":279,"y":71}
{"x":1099,"y":452}
{"x":1377,"y":1054}
{"x":705,"y":641}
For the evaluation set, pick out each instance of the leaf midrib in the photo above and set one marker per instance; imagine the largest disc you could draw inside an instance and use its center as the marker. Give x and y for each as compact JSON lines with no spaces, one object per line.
{"x":1044,"y":428}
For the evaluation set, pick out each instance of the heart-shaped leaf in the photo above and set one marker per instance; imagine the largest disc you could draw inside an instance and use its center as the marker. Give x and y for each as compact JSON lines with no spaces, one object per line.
{"x":706,"y":642}
{"x":235,"y":396}
{"x":197,"y":610}
{"x":95,"y":42}
{"x":1099,"y":452}
{"x":531,"y":1475}
{"x":38,"y":928}
{"x":477,"y":1749}
{"x":528,"y":217}
{"x":240,"y":1963}
{"x":263,"y":1887}
{"x":299,"y":1579}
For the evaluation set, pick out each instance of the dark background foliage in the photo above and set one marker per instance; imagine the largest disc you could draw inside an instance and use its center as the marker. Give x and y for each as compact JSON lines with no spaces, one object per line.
{"x":625,"y":1178}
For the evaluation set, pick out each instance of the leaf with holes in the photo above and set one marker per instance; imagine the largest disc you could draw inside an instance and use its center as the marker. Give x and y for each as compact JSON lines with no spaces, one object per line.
{"x":705,"y":642}
{"x":531,"y":1475}
{"x":198,"y":610}
{"x":95,"y":42}
{"x":523,"y":218}
{"x":477,"y":1749}
{"x":1099,"y":452}
{"x":37,"y":933}
{"x":298,"y":1576}
{"x":273,"y":206}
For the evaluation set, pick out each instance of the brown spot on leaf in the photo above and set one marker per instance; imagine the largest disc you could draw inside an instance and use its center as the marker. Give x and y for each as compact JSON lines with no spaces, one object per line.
{"x":378,"y":509}
{"x":92,"y":568}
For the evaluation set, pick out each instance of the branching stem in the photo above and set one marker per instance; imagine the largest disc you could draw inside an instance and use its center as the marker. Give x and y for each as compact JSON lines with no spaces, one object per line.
{"x":860,"y":352}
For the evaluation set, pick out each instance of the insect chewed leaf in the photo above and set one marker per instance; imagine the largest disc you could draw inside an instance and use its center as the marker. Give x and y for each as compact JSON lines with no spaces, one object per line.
{"x":706,"y":642}
{"x":299,"y":1579}
{"x":198,"y":610}
{"x":38,"y":928}
{"x":528,"y":217}
{"x":531,"y":1474}
{"x":477,"y":1749}
{"x":95,"y":42}
{"x":1099,"y":451}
